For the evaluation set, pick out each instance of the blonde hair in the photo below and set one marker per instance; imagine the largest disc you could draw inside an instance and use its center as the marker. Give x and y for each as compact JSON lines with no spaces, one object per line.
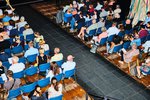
{"x":41,"y":51}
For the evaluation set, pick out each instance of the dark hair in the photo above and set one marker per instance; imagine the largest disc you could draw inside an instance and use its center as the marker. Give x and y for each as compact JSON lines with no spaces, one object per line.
{"x":55,"y":68}
{"x":56,"y":84}
{"x":148,"y":12}
{"x":9,"y":73}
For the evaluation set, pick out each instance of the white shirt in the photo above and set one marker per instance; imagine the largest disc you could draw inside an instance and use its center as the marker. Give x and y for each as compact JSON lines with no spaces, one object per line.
{"x":45,"y":47}
{"x":69,"y":65}
{"x":112,"y":31}
{"x":31,"y":51}
{"x":53,"y":93}
{"x":21,"y":24}
{"x":9,"y":11}
{"x":18,"y":67}
{"x":103,"y":13}
{"x":1,"y":12}
{"x":98,"y":7}
{"x":51,"y":74}
{"x":57,"y":57}
{"x":15,"y":18}
{"x":146,"y":45}
{"x":27,"y":32}
{"x":65,"y":8}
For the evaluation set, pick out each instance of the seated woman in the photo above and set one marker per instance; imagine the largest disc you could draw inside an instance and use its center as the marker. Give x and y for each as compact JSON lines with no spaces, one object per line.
{"x":57,"y":55}
{"x":4,"y":33}
{"x":37,"y":94}
{"x":38,"y":37}
{"x":43,"y":45}
{"x":98,"y":38}
{"x":2,"y":73}
{"x":55,"y":89}
{"x":18,"y":42}
{"x":87,"y":30}
{"x":42,"y":58}
{"x":144,"y":69}
{"x":126,"y":56}
{"x":54,"y":70}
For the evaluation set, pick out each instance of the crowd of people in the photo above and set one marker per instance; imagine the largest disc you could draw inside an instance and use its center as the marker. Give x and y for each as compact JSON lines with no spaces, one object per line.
{"x":100,"y":24}
{"x":21,"y":48}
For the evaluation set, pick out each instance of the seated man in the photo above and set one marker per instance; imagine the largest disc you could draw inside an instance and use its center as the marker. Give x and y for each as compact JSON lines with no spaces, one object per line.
{"x":57,"y":55}
{"x":31,"y":50}
{"x":27,"y":31}
{"x":144,"y":69}
{"x":113,"y":30}
{"x":11,"y":83}
{"x":16,"y":67}
{"x":146,"y":46}
{"x":6,"y":18}
{"x":69,"y":64}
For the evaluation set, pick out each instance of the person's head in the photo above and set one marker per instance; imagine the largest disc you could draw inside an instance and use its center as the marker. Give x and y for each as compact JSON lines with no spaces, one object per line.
{"x":131,"y":37}
{"x":41,"y":51}
{"x":37,"y":34}
{"x":121,"y":27}
{"x":148,"y":13}
{"x":54,"y":67}
{"x":114,"y":24}
{"x":12,"y":23}
{"x":136,"y":35}
{"x":70,"y":58}
{"x":38,"y":89}
{"x":1,"y":38}
{"x":148,"y":25}
{"x":56,"y":50}
{"x":22,"y":19}
{"x":5,"y":13}
{"x":31,"y":44}
{"x":9,"y":74}
{"x":142,"y":27}
{"x":90,"y":6}
{"x":1,"y":25}
{"x":128,"y":21}
{"x":53,"y":80}
{"x":126,"y":37}
{"x":147,"y":61}
{"x":41,"y":42}
{"x":94,"y":21}
{"x":15,"y":59}
{"x":27,"y":26}
{"x":134,"y":46}
{"x":17,"y":39}
{"x":103,"y":29}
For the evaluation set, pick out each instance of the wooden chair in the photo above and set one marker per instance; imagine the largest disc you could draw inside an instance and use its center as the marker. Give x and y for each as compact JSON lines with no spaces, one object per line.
{"x":134,"y":58}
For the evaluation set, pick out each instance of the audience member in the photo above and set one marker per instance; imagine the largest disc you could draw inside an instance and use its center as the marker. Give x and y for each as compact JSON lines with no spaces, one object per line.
{"x":113,"y":30}
{"x":22,"y":23}
{"x":16,"y":66}
{"x":4,"y":44}
{"x":38,"y":37}
{"x":43,"y":45}
{"x":2,"y":69}
{"x":27,"y":31}
{"x":147,"y":18}
{"x":143,"y":32}
{"x":99,"y":6}
{"x":57,"y":55}
{"x":6,"y":18}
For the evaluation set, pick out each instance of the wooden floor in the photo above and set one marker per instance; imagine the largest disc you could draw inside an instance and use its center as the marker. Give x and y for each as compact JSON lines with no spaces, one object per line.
{"x":49,"y":10}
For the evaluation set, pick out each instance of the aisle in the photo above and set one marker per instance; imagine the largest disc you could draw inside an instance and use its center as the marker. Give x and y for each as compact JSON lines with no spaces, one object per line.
{"x":96,"y":75}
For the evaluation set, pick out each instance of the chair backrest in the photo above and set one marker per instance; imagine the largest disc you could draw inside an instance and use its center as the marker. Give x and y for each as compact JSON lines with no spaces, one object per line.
{"x":10,"y":40}
{"x":17,"y":49}
{"x":57,"y":98}
{"x":103,"y":41}
{"x":44,"y":67}
{"x":47,"y":52}
{"x":18,"y":74}
{"x":22,"y":60}
{"x":99,"y":31}
{"x":14,"y":93}
{"x":92,"y":32}
{"x":8,"y":51}
{"x":28,"y":88}
{"x":31,"y":71}
{"x":143,"y":39}
{"x":59,"y":76}
{"x":6,"y":64}
{"x":59,"y":63}
{"x":26,"y":47}
{"x":21,"y":30}
{"x":69,"y":19}
{"x":1,"y":80}
{"x":31,"y":58}
{"x":30,"y":37}
{"x":117,"y":48}
{"x":69,"y":73}
{"x":121,"y":34}
{"x":126,"y":45}
{"x":110,"y":38}
{"x":148,"y":37}
{"x":44,"y":82}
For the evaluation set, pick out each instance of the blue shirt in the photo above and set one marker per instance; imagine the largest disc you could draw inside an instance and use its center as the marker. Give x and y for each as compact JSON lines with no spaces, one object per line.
{"x":147,"y":20}
{"x":136,"y":41}
{"x":6,"y":19}
{"x":31,"y":51}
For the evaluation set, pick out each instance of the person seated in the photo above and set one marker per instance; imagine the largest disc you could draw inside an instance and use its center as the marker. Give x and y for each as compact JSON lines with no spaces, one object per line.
{"x":6,"y":18}
{"x":87,"y":30}
{"x":9,"y":10}
{"x":15,"y":17}
{"x":2,"y":69}
{"x":135,"y":39}
{"x":22,"y":23}
{"x":57,"y":55}
{"x":42,"y":58}
{"x":69,"y":64}
{"x":98,"y":6}
{"x":98,"y":38}
{"x":31,"y":50}
{"x":113,"y":30}
{"x":110,"y":11}
{"x":144,"y":69}
{"x":59,"y":16}
{"x":37,"y":94}
{"x":101,"y":23}
{"x":103,"y":13}
{"x":81,"y":22}
{"x":128,"y":25}
{"x":126,"y":56}
{"x":91,"y":9}
{"x":38,"y":37}
{"x":4,"y":33}
{"x":55,"y":89}
{"x":54,"y":70}
{"x":94,"y":16}
{"x":4,"y":44}
{"x":143,"y":32}
{"x":146,"y":46}
{"x":147,"y":18}
{"x":4,"y":56}
{"x":27,"y":31}
{"x":67,"y":15}
{"x":117,"y":12}
{"x":43,"y":45}
{"x":1,"y":13}
{"x":11,"y":83}
{"x":18,"y":42}
{"x":87,"y":18}
{"x":148,"y":27}
{"x":12,"y":29}
{"x":16,"y":66}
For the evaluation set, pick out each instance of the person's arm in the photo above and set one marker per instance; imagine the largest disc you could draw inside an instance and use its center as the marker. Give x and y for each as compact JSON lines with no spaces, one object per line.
{"x":37,"y":60}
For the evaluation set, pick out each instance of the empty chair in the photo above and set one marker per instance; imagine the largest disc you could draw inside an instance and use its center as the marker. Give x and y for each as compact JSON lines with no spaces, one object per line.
{"x":18,"y":74}
{"x":117,"y":48}
{"x":28,"y":88}
{"x":31,"y":71}
{"x":17,"y":49}
{"x":44,"y":67}
{"x":13,"y":93}
{"x":6,"y":64}
{"x":126,"y":45}
{"x":110,"y":38}
{"x":22,"y":60}
{"x":103,"y":41}
{"x":57,"y":98}
{"x":59,"y":63}
{"x":69,"y":73}
{"x":43,"y":82}
{"x":59,"y":77}
{"x":30,"y":37}
{"x":31,"y":58}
